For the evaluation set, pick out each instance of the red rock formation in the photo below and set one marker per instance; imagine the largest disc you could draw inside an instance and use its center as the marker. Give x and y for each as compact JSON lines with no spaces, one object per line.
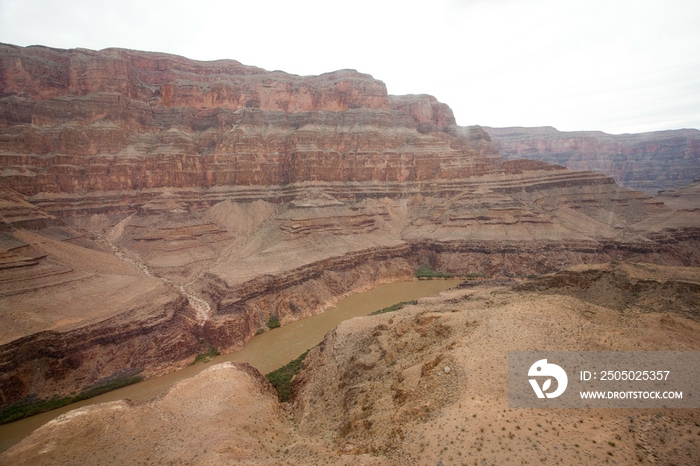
{"x":648,"y":162}
{"x":79,"y":120}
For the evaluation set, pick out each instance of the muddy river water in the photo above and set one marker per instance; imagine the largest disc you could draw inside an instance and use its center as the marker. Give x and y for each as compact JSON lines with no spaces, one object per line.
{"x":266,"y":352}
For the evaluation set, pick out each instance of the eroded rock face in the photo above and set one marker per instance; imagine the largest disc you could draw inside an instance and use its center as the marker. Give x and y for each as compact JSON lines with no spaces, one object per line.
{"x":74,"y":317}
{"x":648,"y":162}
{"x":152,"y":205}
{"x":79,"y":120}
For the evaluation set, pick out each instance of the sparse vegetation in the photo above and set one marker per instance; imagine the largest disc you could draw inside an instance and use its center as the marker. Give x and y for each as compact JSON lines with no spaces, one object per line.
{"x":273,"y":322}
{"x":394,"y":307}
{"x":206,"y":356}
{"x":282,"y":377}
{"x":31,"y":406}
{"x":427,"y":272}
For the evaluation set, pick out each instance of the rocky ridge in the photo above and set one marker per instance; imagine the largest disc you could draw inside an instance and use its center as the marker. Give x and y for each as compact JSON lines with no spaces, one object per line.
{"x":648,"y":162}
{"x":153,"y":206}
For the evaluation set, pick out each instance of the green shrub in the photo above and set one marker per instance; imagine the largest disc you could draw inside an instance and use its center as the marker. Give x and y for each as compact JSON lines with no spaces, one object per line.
{"x":207,"y":356}
{"x":282,"y":377}
{"x":273,"y":322}
{"x":426,"y":271}
{"x":31,"y":406}
{"x":393,"y":307}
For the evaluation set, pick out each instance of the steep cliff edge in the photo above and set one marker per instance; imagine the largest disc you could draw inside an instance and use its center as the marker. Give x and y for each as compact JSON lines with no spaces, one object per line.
{"x":648,"y":162}
{"x":152,"y":205}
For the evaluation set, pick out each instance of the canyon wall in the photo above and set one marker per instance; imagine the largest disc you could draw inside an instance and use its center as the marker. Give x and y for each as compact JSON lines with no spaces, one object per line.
{"x":115,"y":120}
{"x":648,"y":162}
{"x":151,"y":206}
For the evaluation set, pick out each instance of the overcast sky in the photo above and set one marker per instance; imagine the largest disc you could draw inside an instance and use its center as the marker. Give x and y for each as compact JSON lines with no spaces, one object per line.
{"x":612,"y":65}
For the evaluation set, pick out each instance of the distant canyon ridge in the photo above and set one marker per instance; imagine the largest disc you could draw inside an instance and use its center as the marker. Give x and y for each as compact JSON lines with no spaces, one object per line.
{"x":648,"y":162}
{"x":153,"y":207}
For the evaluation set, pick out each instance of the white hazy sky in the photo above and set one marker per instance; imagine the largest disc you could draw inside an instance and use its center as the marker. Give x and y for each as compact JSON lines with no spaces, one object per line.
{"x":612,"y":65}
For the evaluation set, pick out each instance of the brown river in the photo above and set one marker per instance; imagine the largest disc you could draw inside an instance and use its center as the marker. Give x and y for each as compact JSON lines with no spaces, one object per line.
{"x":267,"y":352}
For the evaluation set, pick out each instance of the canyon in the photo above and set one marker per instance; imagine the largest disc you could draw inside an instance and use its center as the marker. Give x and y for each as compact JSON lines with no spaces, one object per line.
{"x":648,"y":162}
{"x":154,"y":207}
{"x":423,"y":385}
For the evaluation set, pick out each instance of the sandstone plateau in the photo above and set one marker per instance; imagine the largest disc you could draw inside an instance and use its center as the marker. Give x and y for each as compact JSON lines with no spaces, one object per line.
{"x":153,"y":206}
{"x":648,"y":162}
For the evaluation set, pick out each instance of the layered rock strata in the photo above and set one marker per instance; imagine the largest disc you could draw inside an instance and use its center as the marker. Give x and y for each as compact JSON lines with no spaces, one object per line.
{"x":74,"y":318}
{"x":75,"y":121}
{"x":153,"y":205}
{"x":648,"y":162}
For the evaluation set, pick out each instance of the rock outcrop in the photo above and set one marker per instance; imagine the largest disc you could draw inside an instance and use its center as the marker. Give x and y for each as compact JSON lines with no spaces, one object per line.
{"x":154,"y":205}
{"x":648,"y":162}
{"x":229,"y":407}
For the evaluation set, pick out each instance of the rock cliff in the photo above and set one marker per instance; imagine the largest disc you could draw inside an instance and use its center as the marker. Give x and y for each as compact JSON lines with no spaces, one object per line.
{"x":153,"y":205}
{"x":76,"y":121}
{"x":648,"y":162}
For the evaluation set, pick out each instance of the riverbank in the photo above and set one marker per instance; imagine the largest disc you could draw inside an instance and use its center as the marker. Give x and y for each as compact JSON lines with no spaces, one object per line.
{"x":266,"y":352}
